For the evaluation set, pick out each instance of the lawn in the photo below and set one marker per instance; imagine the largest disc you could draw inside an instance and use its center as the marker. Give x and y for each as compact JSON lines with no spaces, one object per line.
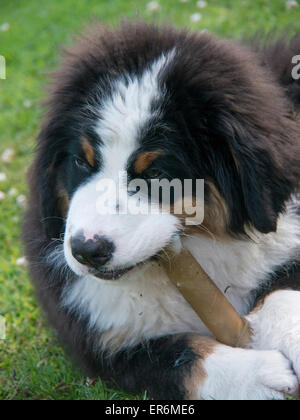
{"x":32,"y":363}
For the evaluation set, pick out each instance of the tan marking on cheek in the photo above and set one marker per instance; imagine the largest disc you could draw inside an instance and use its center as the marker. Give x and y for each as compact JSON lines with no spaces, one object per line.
{"x":144,"y":160}
{"x":216,"y":217}
{"x":204,"y":347}
{"x":88,"y":151}
{"x":63,"y":199}
{"x":212,"y":226}
{"x":181,"y":210}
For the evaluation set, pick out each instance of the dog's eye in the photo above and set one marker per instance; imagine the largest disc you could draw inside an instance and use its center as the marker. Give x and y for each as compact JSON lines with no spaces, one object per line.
{"x":152,"y":174}
{"x":81,"y":164}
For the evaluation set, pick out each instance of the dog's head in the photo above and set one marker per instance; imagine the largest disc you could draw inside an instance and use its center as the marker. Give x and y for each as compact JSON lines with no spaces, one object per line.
{"x":147,"y":103}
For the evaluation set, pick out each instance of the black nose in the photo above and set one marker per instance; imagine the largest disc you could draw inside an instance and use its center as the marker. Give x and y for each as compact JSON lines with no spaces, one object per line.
{"x":94,"y":252}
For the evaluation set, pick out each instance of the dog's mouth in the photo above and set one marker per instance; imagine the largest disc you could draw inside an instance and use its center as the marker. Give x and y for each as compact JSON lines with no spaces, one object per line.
{"x":110,"y":274}
{"x":114,"y":275}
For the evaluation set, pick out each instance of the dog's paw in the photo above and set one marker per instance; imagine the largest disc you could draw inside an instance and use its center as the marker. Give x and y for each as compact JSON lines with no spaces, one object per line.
{"x":236,"y":374}
{"x":276,"y":325}
{"x":276,"y":377}
{"x":296,"y":362}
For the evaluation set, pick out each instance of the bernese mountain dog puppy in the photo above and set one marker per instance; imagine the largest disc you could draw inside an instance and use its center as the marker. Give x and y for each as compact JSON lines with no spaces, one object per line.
{"x":157,"y":102}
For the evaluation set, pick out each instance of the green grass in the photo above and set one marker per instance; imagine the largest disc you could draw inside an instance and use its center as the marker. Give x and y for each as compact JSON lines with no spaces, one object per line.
{"x":32,"y":363}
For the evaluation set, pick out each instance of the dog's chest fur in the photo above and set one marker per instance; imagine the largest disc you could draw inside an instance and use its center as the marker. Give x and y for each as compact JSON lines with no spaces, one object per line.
{"x":147,"y":305}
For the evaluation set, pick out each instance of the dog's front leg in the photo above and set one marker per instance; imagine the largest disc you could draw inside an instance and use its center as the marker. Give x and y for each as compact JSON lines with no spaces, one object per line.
{"x":276,"y":325}
{"x":194,"y":367}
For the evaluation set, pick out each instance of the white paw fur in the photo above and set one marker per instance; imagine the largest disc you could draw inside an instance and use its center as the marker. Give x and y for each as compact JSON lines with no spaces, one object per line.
{"x":276,"y":325}
{"x":237,"y":374}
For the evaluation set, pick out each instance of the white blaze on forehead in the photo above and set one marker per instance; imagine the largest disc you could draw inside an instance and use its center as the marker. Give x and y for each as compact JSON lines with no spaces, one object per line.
{"x":126,"y":111}
{"x":136,"y":237}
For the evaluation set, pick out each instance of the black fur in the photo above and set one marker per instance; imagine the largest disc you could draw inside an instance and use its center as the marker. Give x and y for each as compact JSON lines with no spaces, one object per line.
{"x":285,"y":278}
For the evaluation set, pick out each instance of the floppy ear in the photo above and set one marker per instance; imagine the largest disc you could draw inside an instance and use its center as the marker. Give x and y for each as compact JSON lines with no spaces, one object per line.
{"x":264,"y":180}
{"x":262,"y":207}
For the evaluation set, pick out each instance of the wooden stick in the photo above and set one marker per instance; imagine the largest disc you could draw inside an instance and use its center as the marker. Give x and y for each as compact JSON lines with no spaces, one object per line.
{"x":207,"y":300}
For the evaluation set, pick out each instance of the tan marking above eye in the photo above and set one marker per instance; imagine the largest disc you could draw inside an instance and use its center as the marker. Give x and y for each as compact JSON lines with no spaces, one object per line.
{"x":88,"y":151}
{"x":145,"y":159}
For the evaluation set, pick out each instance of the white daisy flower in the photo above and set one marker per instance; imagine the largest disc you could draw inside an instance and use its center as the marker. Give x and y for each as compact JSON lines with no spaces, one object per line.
{"x":27,"y":103}
{"x":22,"y":262}
{"x":21,"y":200}
{"x":4,"y":27}
{"x":201,"y":4}
{"x":196,"y":17}
{"x":3,"y":177}
{"x":12,"y":192}
{"x":290,"y":4}
{"x":153,"y":6}
{"x":8,"y":155}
